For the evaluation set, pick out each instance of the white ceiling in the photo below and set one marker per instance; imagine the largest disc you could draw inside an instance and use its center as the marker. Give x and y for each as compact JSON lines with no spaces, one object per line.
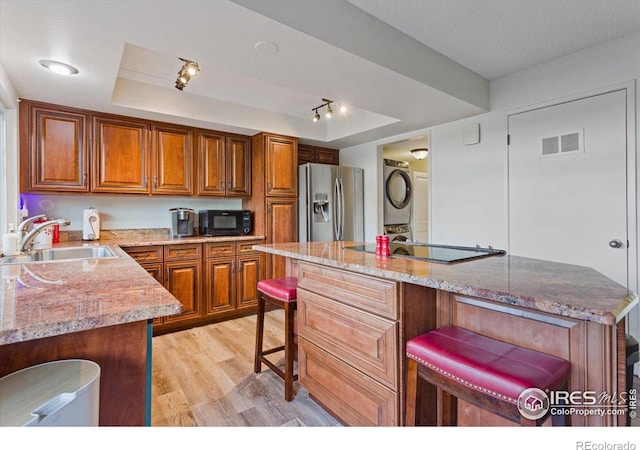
{"x":498,"y":37}
{"x":127,"y":53}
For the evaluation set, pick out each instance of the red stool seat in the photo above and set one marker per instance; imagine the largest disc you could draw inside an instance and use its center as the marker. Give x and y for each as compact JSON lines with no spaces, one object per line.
{"x":485,"y":372}
{"x":281,"y":288}
{"x":493,"y":367}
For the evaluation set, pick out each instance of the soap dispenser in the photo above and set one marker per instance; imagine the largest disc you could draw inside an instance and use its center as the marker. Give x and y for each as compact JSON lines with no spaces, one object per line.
{"x":10,"y":242}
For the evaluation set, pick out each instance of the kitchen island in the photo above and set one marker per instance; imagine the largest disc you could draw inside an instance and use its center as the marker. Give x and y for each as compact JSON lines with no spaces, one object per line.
{"x":356,"y":311}
{"x":95,"y":309}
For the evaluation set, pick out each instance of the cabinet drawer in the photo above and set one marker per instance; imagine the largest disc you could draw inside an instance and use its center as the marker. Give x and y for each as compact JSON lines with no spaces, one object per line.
{"x":147,"y":254}
{"x":182,"y":251}
{"x":368,"y":293}
{"x":219,"y":249}
{"x":246,"y":246}
{"x":344,"y":391}
{"x":364,"y":341}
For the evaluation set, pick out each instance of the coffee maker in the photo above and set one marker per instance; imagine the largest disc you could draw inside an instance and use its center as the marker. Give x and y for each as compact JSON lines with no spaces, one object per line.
{"x":182,"y":220}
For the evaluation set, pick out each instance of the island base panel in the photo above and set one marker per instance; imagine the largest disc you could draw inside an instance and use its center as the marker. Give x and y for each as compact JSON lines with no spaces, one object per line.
{"x":121,"y":353}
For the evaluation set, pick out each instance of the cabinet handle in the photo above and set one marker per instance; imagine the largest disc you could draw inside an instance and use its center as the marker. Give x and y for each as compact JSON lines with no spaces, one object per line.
{"x":228,"y":185}
{"x":268,"y":185}
{"x":269,"y":209}
{"x":146,"y":182}
{"x":233,"y":266}
{"x":84,"y":177}
{"x":155,"y":181}
{"x":167,"y":279}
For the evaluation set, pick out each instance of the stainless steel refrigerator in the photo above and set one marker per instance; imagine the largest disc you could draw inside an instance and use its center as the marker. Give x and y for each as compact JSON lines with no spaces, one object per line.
{"x":331,"y":203}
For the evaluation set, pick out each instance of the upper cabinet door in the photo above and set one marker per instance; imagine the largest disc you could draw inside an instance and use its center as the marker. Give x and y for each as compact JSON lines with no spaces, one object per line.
{"x":281,"y":166}
{"x":238,"y":166}
{"x":211,"y":164}
{"x":58,"y":153}
{"x":172,"y":160}
{"x":120,"y":156}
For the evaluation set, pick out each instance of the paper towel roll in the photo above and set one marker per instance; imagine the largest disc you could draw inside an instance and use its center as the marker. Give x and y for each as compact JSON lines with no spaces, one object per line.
{"x":90,"y":224}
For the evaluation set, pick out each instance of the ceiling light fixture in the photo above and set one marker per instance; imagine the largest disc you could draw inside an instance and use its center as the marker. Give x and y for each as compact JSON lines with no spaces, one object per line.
{"x":420,"y":153}
{"x":58,"y":67}
{"x":186,"y":72}
{"x":328,"y":114}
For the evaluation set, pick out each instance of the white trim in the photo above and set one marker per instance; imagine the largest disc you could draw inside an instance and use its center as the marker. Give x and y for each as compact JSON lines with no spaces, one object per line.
{"x":4,"y":184}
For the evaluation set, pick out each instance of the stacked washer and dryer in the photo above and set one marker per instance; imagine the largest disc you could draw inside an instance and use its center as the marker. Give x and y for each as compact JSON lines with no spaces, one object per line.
{"x":397,"y":200}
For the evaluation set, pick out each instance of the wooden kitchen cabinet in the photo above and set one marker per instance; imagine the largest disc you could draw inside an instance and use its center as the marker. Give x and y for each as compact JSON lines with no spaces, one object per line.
{"x":349,"y":336}
{"x":184,"y":280}
{"x":54,"y":148}
{"x":156,"y":271}
{"x":172,"y":160}
{"x":120,"y":156}
{"x":282,"y":226}
{"x":281,"y":166}
{"x":224,"y":165}
{"x":213,"y":281}
{"x":319,"y":155}
{"x":219,"y":285}
{"x":231,"y":276}
{"x":65,"y":149}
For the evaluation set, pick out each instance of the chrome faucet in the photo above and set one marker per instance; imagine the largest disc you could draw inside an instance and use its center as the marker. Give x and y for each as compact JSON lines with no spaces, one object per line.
{"x":27,"y":239}
{"x":22,"y":228}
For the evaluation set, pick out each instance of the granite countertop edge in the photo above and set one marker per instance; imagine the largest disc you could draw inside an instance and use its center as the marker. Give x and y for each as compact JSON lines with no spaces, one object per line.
{"x":605,"y":317}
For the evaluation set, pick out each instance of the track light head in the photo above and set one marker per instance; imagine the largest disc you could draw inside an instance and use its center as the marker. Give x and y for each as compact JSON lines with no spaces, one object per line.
{"x":329,"y":112}
{"x":186,"y":72}
{"x":316,"y":117}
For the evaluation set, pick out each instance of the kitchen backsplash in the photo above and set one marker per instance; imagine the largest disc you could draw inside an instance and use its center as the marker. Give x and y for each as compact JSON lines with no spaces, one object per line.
{"x":119,"y":212}
{"x":141,"y":234}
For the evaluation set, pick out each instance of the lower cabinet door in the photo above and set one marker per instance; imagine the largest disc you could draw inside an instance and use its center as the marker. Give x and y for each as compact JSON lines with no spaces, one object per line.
{"x":347,"y":393}
{"x":183,"y":279}
{"x":250,"y":271}
{"x":219,"y":285}
{"x":155,"y":270}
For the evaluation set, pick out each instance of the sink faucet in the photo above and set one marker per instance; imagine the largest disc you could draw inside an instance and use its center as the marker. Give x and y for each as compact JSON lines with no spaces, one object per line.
{"x":27,"y":239}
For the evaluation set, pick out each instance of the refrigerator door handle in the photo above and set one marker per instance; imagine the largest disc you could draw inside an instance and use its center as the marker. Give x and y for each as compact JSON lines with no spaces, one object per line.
{"x":342,"y":212}
{"x":309,"y":204}
{"x":336,"y":208}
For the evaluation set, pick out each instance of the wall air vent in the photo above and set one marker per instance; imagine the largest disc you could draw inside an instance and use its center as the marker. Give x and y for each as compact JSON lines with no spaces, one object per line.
{"x":563,"y":144}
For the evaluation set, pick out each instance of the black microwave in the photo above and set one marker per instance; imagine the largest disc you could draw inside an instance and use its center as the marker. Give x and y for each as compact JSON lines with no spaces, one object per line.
{"x":224,"y":222}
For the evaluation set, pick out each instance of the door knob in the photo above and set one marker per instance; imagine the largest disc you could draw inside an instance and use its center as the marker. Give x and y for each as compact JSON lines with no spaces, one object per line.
{"x":616,"y":243}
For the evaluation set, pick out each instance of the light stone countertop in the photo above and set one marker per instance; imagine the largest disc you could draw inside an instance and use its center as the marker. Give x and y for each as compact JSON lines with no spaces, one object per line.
{"x":560,"y":289}
{"x":40,"y":300}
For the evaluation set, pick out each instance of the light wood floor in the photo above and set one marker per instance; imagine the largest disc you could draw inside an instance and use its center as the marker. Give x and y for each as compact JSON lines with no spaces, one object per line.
{"x":204,"y":377}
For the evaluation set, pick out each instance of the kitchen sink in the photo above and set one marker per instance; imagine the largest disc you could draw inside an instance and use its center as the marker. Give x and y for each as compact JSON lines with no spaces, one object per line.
{"x":60,"y":254}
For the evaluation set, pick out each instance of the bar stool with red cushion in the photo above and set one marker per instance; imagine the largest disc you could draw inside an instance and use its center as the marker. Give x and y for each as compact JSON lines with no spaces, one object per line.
{"x":280,"y":292}
{"x":485,"y":372}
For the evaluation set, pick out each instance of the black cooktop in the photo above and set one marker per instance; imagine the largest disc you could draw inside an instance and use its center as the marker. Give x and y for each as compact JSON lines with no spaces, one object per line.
{"x":446,"y":254}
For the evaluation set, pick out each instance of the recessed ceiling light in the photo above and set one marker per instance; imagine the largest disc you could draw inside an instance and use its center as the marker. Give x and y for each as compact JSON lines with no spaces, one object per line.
{"x":268,"y":48}
{"x":58,"y":67}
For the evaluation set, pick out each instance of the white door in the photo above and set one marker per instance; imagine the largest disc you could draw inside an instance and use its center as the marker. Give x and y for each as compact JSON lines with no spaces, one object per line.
{"x":567,"y":184}
{"x":420,"y":205}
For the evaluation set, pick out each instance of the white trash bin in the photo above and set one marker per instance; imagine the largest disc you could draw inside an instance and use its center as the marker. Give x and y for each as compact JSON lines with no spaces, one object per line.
{"x":54,"y":394}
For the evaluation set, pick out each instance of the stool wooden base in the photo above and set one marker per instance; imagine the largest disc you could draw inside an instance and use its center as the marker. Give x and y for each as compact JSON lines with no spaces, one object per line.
{"x":289,"y":346}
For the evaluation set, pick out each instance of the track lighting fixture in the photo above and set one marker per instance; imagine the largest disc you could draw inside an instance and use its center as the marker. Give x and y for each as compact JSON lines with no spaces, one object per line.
{"x":186,"y":72}
{"x":329,"y":113}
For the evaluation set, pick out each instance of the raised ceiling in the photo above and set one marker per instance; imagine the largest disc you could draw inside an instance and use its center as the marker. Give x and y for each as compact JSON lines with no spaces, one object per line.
{"x":127,"y":53}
